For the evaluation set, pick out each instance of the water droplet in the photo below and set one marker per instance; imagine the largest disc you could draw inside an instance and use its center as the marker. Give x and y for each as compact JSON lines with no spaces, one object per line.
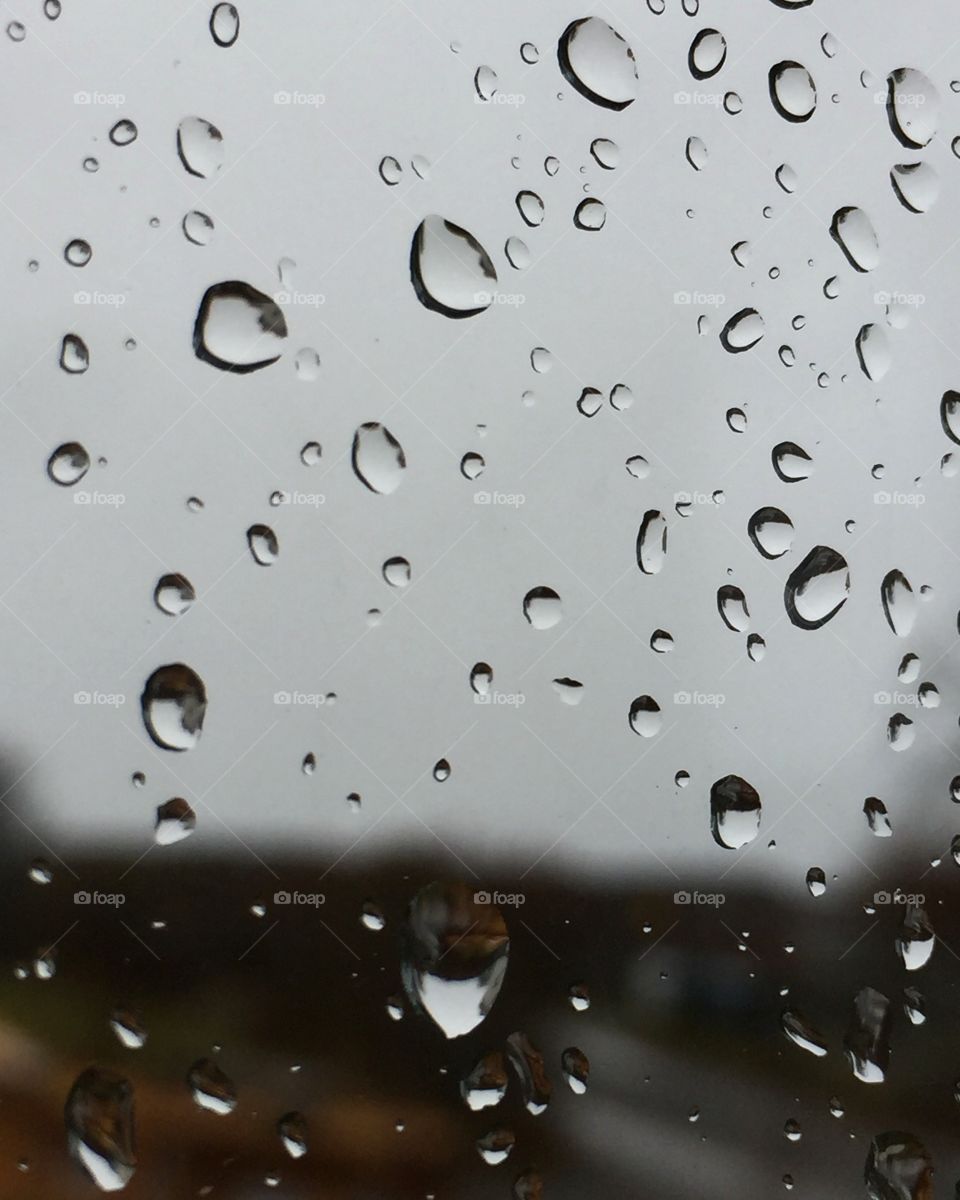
{"x":485,"y":81}
{"x":396,"y":572}
{"x":576,"y":1069}
{"x":197,"y":228}
{"x":78,"y":252}
{"x":174,"y":703}
{"x":16,"y":31}
{"x":128,"y":1028}
{"x":486,"y":1085}
{"x":224,"y":24}
{"x":742,"y":331}
{"x":732,"y":606}
{"x":455,"y":956}
{"x":531,"y":208}
{"x":792,"y":91}
{"x":68,"y":464}
{"x":732,"y":104}
{"x":494,"y":1147}
{"x":390,"y":170}
{"x":542,"y":607}
{"x":441,"y":770}
{"x":176,"y":820}
{"x":734,"y":812}
{"x":816,"y":881}
{"x":913,"y":107}
{"x":590,"y":402}
{"x":771,"y":531}
{"x":211,"y":1088}
{"x":817,"y":589}
{"x":531,"y":1070}
{"x":645,"y":716}
{"x":579,"y":997}
{"x":914,"y":1006}
{"x":200,"y":147}
{"x":450,"y":271}
{"x":100,"y":1127}
{"x":756,"y":647}
{"x":517,"y":252}
{"x":696,"y":153}
{"x":877,"y":820}
{"x":651,"y":540}
{"x":263,"y":544}
{"x":799,"y":1030}
{"x":791,"y":462}
{"x":916,"y":939}
{"x":707,"y":54}
{"x":916,"y":186}
{"x":605,"y":153}
{"x":528,"y":1185}
{"x":598,"y":62}
{"x":371,"y":916}
{"x":899,"y":603}
{"x":481,"y":678}
{"x":174,"y":594}
{"x":292,"y":1128}
{"x":873,"y":352}
{"x":590,"y":215}
{"x":637,"y":466}
{"x":378,"y":458}
{"x":851,"y":229}
{"x":238,"y":328}
{"x":74,"y":355}
{"x":898,"y":1167}
{"x":867,"y":1041}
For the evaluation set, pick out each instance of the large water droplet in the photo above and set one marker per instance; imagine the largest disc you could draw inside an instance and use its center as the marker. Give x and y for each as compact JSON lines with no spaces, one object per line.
{"x":802,"y":1033}
{"x":200,"y":147}
{"x":174,"y":594}
{"x":378,"y":458}
{"x":873,"y":352}
{"x":645,"y":716}
{"x":651,"y":542}
{"x":854,"y":234}
{"x":732,"y":606}
{"x":598,"y":62}
{"x":899,"y":603}
{"x":451,"y":272}
{"x":542,"y":607}
{"x":913,"y":106}
{"x":707,"y":54}
{"x":224,"y":24}
{"x":791,"y":462}
{"x":916,"y":186}
{"x":486,"y":1085}
{"x":74,"y":355}
{"x":867,"y":1041}
{"x":174,"y":703}
{"x":916,"y":939}
{"x":531,"y":1070}
{"x":877,"y":820}
{"x":898,"y":1167}
{"x":263,"y":544}
{"x":455,"y":956}
{"x":176,"y":820}
{"x":792,"y":91}
{"x":742,"y":331}
{"x":238,"y":328}
{"x":211,"y":1088}
{"x":68,"y":464}
{"x":817,"y":589}
{"x":100,"y":1127}
{"x":771,"y":531}
{"x":734,"y":812}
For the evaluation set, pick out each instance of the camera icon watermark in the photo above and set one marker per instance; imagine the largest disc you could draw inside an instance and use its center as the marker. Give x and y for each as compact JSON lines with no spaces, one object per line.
{"x":500,"y":899}
{"x":707,"y":899}
{"x":300,"y":899}
{"x":100,"y":899}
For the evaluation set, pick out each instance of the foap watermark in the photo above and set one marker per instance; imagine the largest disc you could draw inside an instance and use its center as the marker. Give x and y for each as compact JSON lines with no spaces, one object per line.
{"x":699,"y":99}
{"x":504,"y":499}
{"x":100,"y":499}
{"x":900,"y":99}
{"x":700,"y":299}
{"x":506,"y":99}
{"x":103,"y":99}
{"x":687,"y":498}
{"x":304,"y":299}
{"x":501,"y":699}
{"x":897,"y":698}
{"x":707,"y":699}
{"x":300,"y":899}
{"x":300,"y":699}
{"x":100,"y":699}
{"x":301,"y":499}
{"x":500,"y":899}
{"x":299,"y":99}
{"x":100,"y":899}
{"x":900,"y":499}
{"x":898,"y":897}
{"x":708,"y":899}
{"x":510,"y":299}
{"x":900,"y":299}
{"x":101,"y":299}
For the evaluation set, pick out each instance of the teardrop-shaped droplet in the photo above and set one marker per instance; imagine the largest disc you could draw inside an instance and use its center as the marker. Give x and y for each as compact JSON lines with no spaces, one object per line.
{"x":732,"y":606}
{"x":696,"y":153}
{"x":899,"y":603}
{"x":292,"y":1128}
{"x":598,"y":62}
{"x":791,"y":462}
{"x":817,"y":589}
{"x":877,"y":820}
{"x":485,"y":81}
{"x":174,"y":594}
{"x":916,"y":186}
{"x":802,"y":1033}
{"x":816,"y":881}
{"x":913,"y":107}
{"x":74,"y":355}
{"x":531,"y":1070}
{"x":263,"y":544}
{"x":481,"y":678}
{"x":867,"y":1040}
{"x":873,"y":352}
{"x":854,"y":234}
{"x":455,"y":955}
{"x":542,"y":607}
{"x":606,"y":153}
{"x":569,"y":690}
{"x":734,"y":812}
{"x":792,"y":91}
{"x":378,"y":458}
{"x":495,"y":1146}
{"x":197,"y":227}
{"x":451,"y":272}
{"x":707,"y":53}
{"x":590,"y":214}
{"x":200,"y":147}
{"x":176,"y":820}
{"x":238,"y":328}
{"x":224,"y":24}
{"x":100,"y":1127}
{"x":771,"y":531}
{"x":530,"y":207}
{"x":174,"y":703}
{"x":576,"y":1069}
{"x":211,"y":1088}
{"x":129,"y":1029}
{"x":486,"y":1085}
{"x":898,"y":1167}
{"x":742,"y":331}
{"x":916,"y":939}
{"x":652,"y":542}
